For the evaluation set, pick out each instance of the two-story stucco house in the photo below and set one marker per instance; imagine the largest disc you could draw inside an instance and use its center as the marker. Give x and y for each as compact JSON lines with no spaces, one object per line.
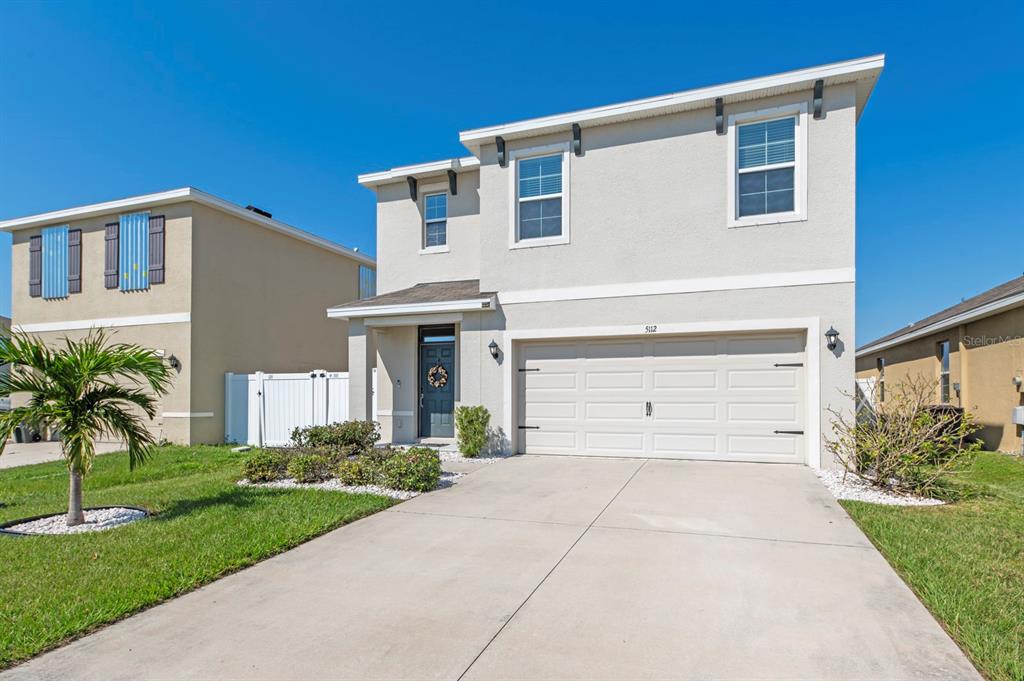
{"x":216,"y":287}
{"x":654,"y":278}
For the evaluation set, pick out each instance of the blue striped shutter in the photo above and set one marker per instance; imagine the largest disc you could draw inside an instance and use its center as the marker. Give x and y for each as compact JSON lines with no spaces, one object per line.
{"x":134,"y":247}
{"x":55,"y":262}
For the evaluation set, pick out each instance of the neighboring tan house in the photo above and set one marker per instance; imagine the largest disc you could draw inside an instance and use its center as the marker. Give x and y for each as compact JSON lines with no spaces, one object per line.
{"x":215,"y":287}
{"x":974,"y":351}
{"x":652,"y":279}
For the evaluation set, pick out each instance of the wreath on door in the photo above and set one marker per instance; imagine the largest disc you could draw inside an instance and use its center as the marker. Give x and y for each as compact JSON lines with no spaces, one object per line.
{"x":437,"y":376}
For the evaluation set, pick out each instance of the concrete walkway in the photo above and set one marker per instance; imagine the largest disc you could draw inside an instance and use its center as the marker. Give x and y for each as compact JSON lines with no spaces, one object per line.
{"x":25,"y":453}
{"x":553,"y":568}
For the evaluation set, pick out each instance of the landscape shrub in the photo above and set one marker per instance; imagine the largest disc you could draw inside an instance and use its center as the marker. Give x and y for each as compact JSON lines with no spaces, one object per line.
{"x":908,"y":445}
{"x":471,"y":429}
{"x":417,"y":469}
{"x":309,"y":468}
{"x":340,"y":439}
{"x":356,"y":472}
{"x":264,"y":466}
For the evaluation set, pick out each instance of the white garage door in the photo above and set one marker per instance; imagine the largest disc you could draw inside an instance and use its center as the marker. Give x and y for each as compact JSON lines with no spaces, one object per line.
{"x":728,"y":398}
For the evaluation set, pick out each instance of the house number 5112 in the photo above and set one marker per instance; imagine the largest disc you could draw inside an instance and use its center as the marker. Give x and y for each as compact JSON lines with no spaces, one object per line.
{"x":650,"y":328}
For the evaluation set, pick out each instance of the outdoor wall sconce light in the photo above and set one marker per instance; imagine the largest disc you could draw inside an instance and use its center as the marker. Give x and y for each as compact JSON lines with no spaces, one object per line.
{"x":1017,"y":381}
{"x":832,"y":336}
{"x":493,"y":347}
{"x":174,"y":363}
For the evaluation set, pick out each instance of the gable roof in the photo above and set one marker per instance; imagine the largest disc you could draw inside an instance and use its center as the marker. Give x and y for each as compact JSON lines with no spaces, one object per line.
{"x":990,"y":302}
{"x":180,"y":196}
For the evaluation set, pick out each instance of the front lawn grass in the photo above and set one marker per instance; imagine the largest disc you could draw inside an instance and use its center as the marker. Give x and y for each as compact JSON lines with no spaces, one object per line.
{"x":965,"y":561}
{"x":55,"y":588}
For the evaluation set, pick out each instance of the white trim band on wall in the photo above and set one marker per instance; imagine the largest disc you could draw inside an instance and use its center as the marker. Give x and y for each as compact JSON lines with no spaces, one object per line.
{"x":844,"y":275}
{"x":187,"y":414}
{"x":388,"y":412}
{"x":108,"y":322}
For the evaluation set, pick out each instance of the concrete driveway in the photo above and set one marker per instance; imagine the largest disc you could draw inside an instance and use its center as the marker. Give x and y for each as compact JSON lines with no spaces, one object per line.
{"x":553,"y":568}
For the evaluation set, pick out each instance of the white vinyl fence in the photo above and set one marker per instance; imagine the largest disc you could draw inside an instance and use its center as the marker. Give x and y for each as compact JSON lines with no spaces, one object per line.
{"x":262,"y":409}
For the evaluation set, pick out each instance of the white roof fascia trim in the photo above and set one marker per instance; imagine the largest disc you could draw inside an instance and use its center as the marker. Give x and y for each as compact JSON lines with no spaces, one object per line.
{"x":837,"y":72}
{"x":411,"y":308}
{"x":971,"y":315}
{"x":178,"y":196}
{"x":419,"y":170}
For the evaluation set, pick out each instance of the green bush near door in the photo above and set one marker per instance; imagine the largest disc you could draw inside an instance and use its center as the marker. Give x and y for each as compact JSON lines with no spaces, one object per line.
{"x":471,"y":429}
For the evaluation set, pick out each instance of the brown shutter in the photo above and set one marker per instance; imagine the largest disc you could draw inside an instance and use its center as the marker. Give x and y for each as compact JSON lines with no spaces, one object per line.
{"x":35,"y":266}
{"x":110,"y":254}
{"x":74,"y":261}
{"x":156,"y":249}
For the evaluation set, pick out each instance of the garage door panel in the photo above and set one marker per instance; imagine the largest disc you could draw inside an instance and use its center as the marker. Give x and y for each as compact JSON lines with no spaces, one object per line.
{"x":614,"y":411}
{"x":549,"y":380}
{"x":692,"y":412}
{"x":716,"y":398}
{"x":619,"y":443}
{"x":614,"y":380}
{"x":762,"y":379}
{"x":786,"y":413}
{"x":684,"y":445}
{"x":685,"y":380}
{"x":550,"y":410}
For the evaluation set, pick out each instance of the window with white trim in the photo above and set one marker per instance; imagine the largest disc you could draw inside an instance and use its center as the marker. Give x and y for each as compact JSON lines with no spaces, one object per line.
{"x":539,"y":197}
{"x":435,"y":220}
{"x":766,"y":167}
{"x":942,"y":352}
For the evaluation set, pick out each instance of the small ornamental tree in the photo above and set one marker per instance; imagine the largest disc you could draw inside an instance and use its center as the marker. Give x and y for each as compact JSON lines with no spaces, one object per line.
{"x":84,"y":389}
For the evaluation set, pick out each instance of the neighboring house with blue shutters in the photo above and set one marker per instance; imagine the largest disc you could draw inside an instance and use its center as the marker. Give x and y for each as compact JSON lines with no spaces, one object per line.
{"x":215,"y":286}
{"x":653,"y":278}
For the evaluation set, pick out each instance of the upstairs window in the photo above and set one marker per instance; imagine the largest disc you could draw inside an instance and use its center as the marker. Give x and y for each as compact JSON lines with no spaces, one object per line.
{"x":540,"y":197}
{"x":134,"y":252}
{"x":766,"y":163}
{"x":367,"y":282}
{"x":435,"y":220}
{"x":55,"y":263}
{"x":767,"y":166}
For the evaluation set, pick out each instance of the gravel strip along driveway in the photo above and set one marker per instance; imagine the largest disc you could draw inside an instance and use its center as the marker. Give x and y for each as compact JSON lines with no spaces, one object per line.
{"x":853,"y":487}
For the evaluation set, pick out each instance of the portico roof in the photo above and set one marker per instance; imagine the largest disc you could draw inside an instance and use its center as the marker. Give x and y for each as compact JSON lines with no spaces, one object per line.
{"x":439,"y":296}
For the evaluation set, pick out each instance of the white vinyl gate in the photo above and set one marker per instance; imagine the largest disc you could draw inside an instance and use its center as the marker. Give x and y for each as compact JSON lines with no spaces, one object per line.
{"x":262,"y":409}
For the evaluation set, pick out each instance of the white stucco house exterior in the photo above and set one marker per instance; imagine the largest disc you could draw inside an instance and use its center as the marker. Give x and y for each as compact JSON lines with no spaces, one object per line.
{"x":653,"y":278}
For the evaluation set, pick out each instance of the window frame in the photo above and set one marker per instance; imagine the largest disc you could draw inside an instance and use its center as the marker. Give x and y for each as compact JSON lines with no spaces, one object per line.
{"x":944,"y":352}
{"x":799,"y":165}
{"x":440,"y":248}
{"x":514,"y":157}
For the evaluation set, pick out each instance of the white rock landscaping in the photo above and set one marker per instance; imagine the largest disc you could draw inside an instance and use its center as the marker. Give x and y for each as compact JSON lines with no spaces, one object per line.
{"x":96,"y":520}
{"x":334,"y":485}
{"x":853,"y":487}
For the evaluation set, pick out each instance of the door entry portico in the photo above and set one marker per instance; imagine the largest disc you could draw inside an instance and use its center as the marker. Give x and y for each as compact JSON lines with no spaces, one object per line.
{"x":437,"y":381}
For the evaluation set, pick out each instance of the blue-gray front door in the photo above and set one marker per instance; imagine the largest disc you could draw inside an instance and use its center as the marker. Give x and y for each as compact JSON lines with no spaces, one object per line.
{"x":437,"y":393}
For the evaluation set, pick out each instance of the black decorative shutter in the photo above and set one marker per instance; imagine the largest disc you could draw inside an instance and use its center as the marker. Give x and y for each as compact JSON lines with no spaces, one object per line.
{"x":75,"y":261}
{"x":110,"y":254}
{"x":35,"y":266}
{"x":156,"y":249}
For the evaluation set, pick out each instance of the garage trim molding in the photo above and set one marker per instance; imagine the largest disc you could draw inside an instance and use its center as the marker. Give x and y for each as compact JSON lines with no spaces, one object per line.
{"x":810,"y":325}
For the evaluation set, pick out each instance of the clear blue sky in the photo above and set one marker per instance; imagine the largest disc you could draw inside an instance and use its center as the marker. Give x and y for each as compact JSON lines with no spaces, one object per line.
{"x":281,"y":105}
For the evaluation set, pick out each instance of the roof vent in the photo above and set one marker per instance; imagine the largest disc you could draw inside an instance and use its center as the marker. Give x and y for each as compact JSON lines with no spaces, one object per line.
{"x":258,"y":211}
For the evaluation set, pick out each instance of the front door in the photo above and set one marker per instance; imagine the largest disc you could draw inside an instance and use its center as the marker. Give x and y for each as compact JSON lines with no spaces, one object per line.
{"x":437,"y":381}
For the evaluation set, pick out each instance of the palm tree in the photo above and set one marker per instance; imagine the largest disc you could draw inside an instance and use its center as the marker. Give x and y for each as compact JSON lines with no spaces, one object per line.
{"x":84,"y":389}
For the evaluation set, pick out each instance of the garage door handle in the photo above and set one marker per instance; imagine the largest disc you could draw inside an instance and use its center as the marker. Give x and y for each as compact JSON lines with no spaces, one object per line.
{"x":788,"y":432}
{"x":789,"y":364}
{"x":649,"y":409}
{"x":529,"y":427}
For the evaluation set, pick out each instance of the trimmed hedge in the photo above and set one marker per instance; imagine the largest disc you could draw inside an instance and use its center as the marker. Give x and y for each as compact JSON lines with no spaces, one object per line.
{"x":417,"y":469}
{"x":265,"y":466}
{"x":309,"y":468}
{"x":471,"y":428}
{"x":340,"y":439}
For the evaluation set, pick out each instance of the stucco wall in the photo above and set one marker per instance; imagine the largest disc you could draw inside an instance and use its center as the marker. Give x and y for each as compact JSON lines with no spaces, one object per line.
{"x":400,"y":234}
{"x":985,"y":355}
{"x":258,"y":303}
{"x":95,"y":301}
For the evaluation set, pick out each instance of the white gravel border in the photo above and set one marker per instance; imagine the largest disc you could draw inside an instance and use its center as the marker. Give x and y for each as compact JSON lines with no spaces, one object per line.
{"x":96,"y":520}
{"x":856,"y":488}
{"x":456,"y":455}
{"x":334,"y":485}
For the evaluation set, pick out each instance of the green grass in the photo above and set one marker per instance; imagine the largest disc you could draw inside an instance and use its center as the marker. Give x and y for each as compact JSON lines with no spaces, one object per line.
{"x":56,"y":588}
{"x":965,"y":561}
